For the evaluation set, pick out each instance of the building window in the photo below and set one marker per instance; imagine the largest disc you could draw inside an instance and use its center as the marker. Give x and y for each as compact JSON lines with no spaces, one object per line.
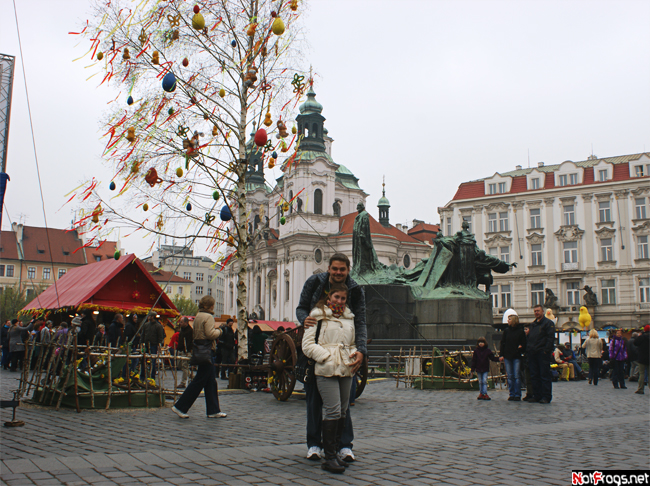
{"x":505,"y":254}
{"x":47,"y":273}
{"x":199,"y":277}
{"x":286,"y":290}
{"x":536,"y":294}
{"x":502,"y":187}
{"x":492,"y":188}
{"x":10,"y":271}
{"x":468,"y":220}
{"x":209,"y":290}
{"x":187,"y":275}
{"x":602,"y":175}
{"x":536,"y":254}
{"x":564,"y":180}
{"x":318,"y":201}
{"x":492,"y":222}
{"x":318,"y":255}
{"x":407,"y":261}
{"x":448,"y":226}
{"x":503,"y":221}
{"x":639,"y":208}
{"x":644,"y":290}
{"x":535,"y":218}
{"x":642,"y":247}
{"x":199,"y":290}
{"x":180,"y":290}
{"x":31,"y":272}
{"x":640,"y":170}
{"x":291,"y":202}
{"x":506,"y":298}
{"x":570,"y":252}
{"x":258,"y":290}
{"x":495,"y":297}
{"x":606,"y":250}
{"x":569,"y":215}
{"x":573,"y":179}
{"x":337,"y":209}
{"x":604,"y":212}
{"x":98,"y":258}
{"x":573,"y":293}
{"x":608,"y":290}
{"x":534,"y":183}
{"x":2,"y":270}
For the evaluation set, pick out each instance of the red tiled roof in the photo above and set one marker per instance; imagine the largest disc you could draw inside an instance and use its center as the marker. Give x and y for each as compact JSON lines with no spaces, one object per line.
{"x":109,"y":284}
{"x":519,"y":184}
{"x":8,"y":246}
{"x":621,"y":172}
{"x":62,"y":242}
{"x":549,"y":181}
{"x":104,"y":251}
{"x":588,"y":175}
{"x":424,"y":231}
{"x":346,"y":225}
{"x":162,"y":276}
{"x":470,"y":190}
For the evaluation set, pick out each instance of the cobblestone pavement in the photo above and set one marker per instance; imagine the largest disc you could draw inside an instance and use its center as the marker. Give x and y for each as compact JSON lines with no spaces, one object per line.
{"x":403,"y":436}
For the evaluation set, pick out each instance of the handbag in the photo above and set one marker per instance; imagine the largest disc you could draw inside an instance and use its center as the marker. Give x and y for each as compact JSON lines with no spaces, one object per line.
{"x":201,"y":352}
{"x":304,"y":369}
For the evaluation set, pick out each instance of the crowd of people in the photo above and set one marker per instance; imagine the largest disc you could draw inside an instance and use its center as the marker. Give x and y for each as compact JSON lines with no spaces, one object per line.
{"x":532,"y":357}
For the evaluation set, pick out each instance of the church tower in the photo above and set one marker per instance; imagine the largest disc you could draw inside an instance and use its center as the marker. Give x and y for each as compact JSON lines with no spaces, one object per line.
{"x":310,"y":124}
{"x":255,"y":171}
{"x":383,"y":206}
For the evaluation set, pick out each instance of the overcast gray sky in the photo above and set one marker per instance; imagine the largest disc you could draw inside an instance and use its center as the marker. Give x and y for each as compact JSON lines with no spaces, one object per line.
{"x":428,"y":93}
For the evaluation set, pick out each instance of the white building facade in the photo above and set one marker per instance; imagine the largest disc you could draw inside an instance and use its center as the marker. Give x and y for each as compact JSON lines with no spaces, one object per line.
{"x":566,"y":226}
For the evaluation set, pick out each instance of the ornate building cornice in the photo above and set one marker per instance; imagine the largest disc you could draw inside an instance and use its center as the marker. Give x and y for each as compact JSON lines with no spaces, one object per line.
{"x":605,"y":232}
{"x":535,"y":238}
{"x":497,"y":240}
{"x":642,"y":228}
{"x":569,"y":233}
{"x":497,"y":206}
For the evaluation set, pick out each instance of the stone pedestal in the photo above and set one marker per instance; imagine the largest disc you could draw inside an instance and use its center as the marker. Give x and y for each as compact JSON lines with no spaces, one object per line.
{"x":393,"y":313}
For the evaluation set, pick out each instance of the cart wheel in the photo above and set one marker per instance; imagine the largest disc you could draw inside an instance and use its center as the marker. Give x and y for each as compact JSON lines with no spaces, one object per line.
{"x":282,"y":360}
{"x":362,"y":377}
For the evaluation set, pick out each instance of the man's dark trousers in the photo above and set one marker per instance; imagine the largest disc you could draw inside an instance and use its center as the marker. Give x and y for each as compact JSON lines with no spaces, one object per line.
{"x":314,"y":419}
{"x":540,"y":375}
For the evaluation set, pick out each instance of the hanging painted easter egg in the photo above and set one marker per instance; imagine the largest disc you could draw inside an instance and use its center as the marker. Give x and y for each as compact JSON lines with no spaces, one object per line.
{"x":129,"y":100}
{"x":283,"y":220}
{"x":169,"y":82}
{"x":198,"y":22}
{"x":274,"y":154}
{"x":188,"y":207}
{"x":261,"y":137}
{"x":222,"y":92}
{"x":117,"y":254}
{"x":145,"y":207}
{"x":285,"y":207}
{"x":100,"y":55}
{"x":216,"y":195}
{"x":170,"y":111}
{"x":278,"y":26}
{"x":196,"y":9}
{"x":234,"y":43}
{"x":225,"y":214}
{"x":111,"y":186}
{"x":186,"y":62}
{"x":271,"y":163}
{"x":294,"y":130}
{"x":179,"y":172}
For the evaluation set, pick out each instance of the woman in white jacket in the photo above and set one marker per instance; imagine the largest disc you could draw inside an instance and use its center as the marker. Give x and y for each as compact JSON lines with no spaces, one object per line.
{"x":331,"y":351}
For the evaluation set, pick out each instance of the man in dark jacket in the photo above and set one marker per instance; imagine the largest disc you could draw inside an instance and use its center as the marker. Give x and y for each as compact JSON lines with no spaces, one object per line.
{"x":88,"y":328}
{"x":153,"y":335}
{"x":6,"y":354}
{"x":539,"y":348}
{"x":227,"y":350}
{"x":114,"y":331}
{"x":338,"y":271}
{"x":642,"y":344}
{"x":185,"y":340}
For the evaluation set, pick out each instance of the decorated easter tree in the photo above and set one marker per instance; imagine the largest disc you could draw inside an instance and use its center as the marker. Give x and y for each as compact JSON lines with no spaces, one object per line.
{"x":194,"y":80}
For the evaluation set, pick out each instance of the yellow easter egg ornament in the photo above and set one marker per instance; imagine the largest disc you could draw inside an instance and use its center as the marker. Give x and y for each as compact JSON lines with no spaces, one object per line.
{"x":278,"y":26}
{"x":294,"y":130}
{"x":222,"y":92}
{"x":145,"y":207}
{"x":100,"y":56}
{"x":198,"y":22}
{"x":179,"y":172}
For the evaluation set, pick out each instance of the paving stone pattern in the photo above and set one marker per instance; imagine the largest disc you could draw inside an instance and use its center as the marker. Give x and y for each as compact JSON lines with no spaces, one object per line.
{"x":403,"y":436}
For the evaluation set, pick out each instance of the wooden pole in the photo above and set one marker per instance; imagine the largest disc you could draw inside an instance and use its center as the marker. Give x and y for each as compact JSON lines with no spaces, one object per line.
{"x":48,"y":378}
{"x":444,"y":367}
{"x":399,"y":364}
{"x":421,"y":374}
{"x":110,"y":380}
{"x":67,"y":377}
{"x":128,"y":371}
{"x":146,"y":382}
{"x":160,"y":378}
{"x":76,"y":377}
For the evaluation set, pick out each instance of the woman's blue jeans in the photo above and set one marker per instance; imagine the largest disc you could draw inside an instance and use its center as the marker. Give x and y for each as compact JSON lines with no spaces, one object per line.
{"x":514,"y":376}
{"x":482,"y":382}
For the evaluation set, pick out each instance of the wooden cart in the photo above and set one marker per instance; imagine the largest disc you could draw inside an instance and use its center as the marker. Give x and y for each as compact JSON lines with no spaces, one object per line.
{"x":285,"y":350}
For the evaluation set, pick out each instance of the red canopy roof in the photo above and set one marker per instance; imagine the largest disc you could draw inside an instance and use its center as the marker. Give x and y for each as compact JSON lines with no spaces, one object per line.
{"x":110,"y":285}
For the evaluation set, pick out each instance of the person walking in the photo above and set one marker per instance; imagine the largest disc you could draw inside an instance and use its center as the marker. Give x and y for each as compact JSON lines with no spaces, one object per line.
{"x":17,"y":336}
{"x":593,"y":346}
{"x":513,"y":347}
{"x":227,"y":349}
{"x":338,"y":271}
{"x":481,"y":366}
{"x":6,"y":353}
{"x":642,"y":344}
{"x":618,"y":357}
{"x":331,"y":344}
{"x":153,"y":335}
{"x":540,"y":353}
{"x":184,"y":348}
{"x":205,"y":329}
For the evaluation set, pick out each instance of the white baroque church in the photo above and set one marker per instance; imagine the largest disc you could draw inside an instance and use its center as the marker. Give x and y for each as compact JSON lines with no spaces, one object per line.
{"x":290,"y":247}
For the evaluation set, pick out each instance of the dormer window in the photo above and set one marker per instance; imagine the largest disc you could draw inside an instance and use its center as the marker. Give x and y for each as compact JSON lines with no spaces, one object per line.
{"x":493,"y":188}
{"x":641,"y":170}
{"x":573,"y":179}
{"x":534,"y":183}
{"x":502,"y":187}
{"x":602,"y":175}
